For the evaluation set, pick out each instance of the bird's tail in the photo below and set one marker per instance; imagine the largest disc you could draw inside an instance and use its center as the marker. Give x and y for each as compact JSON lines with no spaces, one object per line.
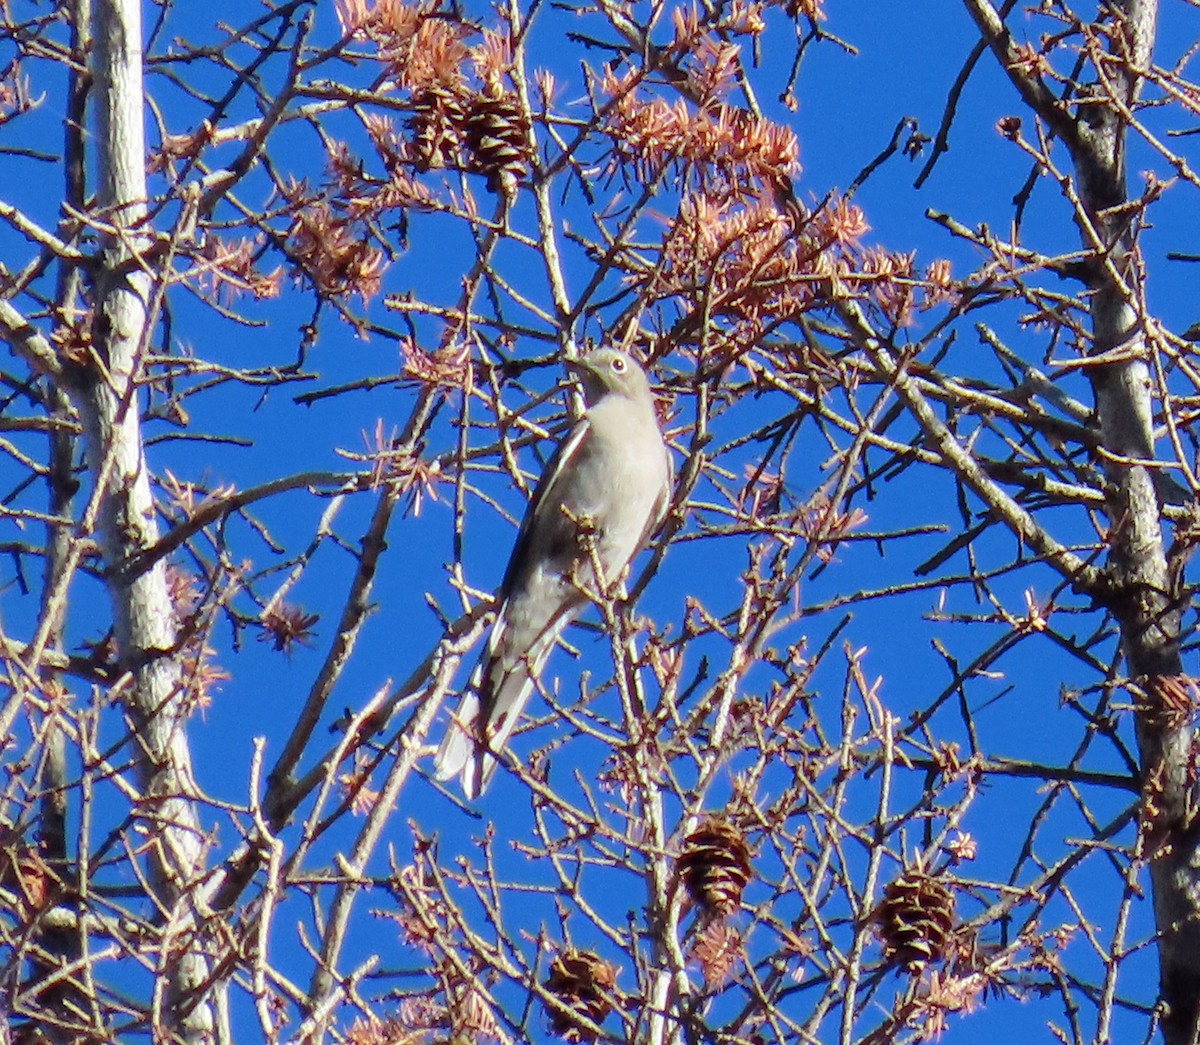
{"x":469,"y":748}
{"x":510,"y":691}
{"x":488,"y":713}
{"x":457,"y":749}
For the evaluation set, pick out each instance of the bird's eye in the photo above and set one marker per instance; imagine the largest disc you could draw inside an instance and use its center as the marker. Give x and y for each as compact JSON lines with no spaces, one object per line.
{"x":618,"y":364}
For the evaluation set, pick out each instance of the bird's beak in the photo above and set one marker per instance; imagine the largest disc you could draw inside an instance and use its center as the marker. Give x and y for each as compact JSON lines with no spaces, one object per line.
{"x":582,"y":370}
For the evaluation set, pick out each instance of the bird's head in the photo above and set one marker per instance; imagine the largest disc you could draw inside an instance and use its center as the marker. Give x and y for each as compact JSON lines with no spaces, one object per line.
{"x":609,"y":371}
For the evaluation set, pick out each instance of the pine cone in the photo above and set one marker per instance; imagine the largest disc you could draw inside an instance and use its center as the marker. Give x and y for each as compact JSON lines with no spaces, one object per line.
{"x":916,"y":919}
{"x":497,"y":137}
{"x":715,"y":866}
{"x":583,"y":983}
{"x":436,"y":125}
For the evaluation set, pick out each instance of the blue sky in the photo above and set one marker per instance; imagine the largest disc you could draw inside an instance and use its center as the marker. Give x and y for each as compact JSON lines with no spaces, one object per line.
{"x":907,"y":56}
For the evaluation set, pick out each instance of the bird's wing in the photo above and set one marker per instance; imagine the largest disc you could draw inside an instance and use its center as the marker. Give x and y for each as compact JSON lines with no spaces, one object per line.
{"x":544,"y":500}
{"x":658,"y":514}
{"x":500,"y":686}
{"x":505,"y":681}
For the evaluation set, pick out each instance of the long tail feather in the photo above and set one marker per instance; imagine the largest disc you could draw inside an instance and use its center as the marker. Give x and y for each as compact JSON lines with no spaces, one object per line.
{"x":458,"y":745}
{"x":491,"y":706}
{"x":505,"y":707}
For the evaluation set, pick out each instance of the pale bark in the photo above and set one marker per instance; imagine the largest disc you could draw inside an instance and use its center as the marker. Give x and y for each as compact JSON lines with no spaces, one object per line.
{"x":61,"y":483}
{"x":145,"y":629}
{"x":1146,"y":596}
{"x":1150,"y":603}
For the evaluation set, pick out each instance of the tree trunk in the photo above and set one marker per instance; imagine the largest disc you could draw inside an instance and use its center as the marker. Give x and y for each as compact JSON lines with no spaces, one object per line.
{"x":1149,"y":602}
{"x":1145,"y":591}
{"x":145,"y":628}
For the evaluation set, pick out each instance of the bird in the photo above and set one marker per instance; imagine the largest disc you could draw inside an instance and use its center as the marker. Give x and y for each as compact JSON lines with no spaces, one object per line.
{"x":602,"y":496}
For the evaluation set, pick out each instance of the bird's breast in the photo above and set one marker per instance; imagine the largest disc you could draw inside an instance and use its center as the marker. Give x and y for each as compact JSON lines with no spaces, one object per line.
{"x":619,"y":489}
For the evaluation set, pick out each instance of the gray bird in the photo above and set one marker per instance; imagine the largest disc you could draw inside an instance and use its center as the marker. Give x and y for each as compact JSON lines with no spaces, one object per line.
{"x":610,"y":479}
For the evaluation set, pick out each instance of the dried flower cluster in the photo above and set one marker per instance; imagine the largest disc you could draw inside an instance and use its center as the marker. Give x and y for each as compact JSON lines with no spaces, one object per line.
{"x":718,"y":951}
{"x":824,"y":523}
{"x":422,"y":46}
{"x":448,"y":366}
{"x":889,"y":278}
{"x":762,"y":260}
{"x":947,"y":993}
{"x":703,"y":38}
{"x":732,"y":145}
{"x":195,"y":614}
{"x":286,"y":626}
{"x":225,"y":269}
{"x":739,"y":261}
{"x":365,"y":197}
{"x":372,"y":1030}
{"x":334,"y":254}
{"x":470,"y":1015}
